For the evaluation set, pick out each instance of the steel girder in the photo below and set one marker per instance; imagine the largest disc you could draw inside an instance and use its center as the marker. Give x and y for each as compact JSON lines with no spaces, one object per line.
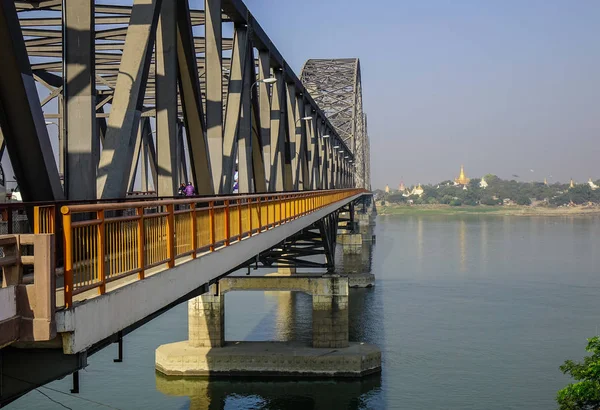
{"x":127,"y":84}
{"x":21,"y":116}
{"x":336,"y":86}
{"x":300,"y":249}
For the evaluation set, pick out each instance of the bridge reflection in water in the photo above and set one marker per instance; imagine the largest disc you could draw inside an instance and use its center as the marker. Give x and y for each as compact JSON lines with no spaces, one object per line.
{"x":271,"y":394}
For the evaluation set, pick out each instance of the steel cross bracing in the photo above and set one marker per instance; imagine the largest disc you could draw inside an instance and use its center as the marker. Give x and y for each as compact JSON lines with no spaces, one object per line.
{"x":157,"y":89}
{"x":336,"y":86}
{"x":299,"y":250}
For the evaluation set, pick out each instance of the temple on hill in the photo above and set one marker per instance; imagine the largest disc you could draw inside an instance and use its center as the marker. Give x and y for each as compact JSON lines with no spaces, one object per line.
{"x":387,"y":189}
{"x":592,"y":185}
{"x":462,"y":178}
{"x":572,"y":184}
{"x":417,"y":191}
{"x":401,"y":188}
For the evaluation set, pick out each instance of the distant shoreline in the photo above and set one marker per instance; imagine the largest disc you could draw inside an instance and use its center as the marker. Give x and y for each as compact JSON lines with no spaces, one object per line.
{"x":506,"y":210}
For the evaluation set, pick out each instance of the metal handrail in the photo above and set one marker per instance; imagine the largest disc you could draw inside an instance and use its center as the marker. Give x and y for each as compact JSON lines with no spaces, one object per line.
{"x":100,"y":248}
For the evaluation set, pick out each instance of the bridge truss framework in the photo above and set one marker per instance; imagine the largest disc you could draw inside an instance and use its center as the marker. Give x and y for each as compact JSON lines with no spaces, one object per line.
{"x":157,"y":86}
{"x":336,"y":86}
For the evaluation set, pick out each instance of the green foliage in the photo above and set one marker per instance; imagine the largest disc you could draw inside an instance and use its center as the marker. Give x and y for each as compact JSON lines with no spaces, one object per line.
{"x":456,"y":202}
{"x":396,"y":198}
{"x":446,"y":199}
{"x":523,"y":200}
{"x":488,"y":200}
{"x":491,"y":179}
{"x":520,"y":192}
{"x":579,"y":195}
{"x":585,"y":393}
{"x":474,"y":183}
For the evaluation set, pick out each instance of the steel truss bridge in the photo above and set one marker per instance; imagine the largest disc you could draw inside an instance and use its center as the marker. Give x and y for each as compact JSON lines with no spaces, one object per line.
{"x":157,"y":91}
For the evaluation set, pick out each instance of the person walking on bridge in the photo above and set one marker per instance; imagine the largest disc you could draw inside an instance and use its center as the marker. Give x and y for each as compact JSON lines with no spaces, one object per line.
{"x":181,"y":190}
{"x":189,"y":190}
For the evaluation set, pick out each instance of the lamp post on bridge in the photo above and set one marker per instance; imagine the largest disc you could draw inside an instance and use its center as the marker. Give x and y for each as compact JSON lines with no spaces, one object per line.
{"x":268,"y":80}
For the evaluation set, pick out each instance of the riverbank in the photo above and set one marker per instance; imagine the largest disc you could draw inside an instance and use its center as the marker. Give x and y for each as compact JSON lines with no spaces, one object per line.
{"x":394,"y":209}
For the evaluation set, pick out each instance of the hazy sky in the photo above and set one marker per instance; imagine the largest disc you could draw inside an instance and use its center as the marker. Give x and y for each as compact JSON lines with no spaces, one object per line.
{"x":503,"y":86}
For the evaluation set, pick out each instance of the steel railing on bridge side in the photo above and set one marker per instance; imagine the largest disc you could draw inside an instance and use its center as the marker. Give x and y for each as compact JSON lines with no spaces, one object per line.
{"x":107,"y":242}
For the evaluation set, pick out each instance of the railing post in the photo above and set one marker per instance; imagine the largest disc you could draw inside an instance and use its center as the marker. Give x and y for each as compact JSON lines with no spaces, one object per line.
{"x":68,"y":256}
{"x":227,"y":229}
{"x":36,"y":219}
{"x":269,"y":202}
{"x":100,"y":253}
{"x":250,"y":214}
{"x":259,"y":213}
{"x":211,"y":213}
{"x":141,"y":239}
{"x":170,"y":236}
{"x":239,"y":203}
{"x":194,"y":233}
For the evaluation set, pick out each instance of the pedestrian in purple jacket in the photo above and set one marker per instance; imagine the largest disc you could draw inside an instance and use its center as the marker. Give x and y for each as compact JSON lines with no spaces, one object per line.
{"x":189,"y":190}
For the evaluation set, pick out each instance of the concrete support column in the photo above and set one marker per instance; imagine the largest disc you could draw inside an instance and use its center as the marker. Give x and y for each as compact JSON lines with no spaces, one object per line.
{"x":330,"y":313}
{"x":351,"y":242}
{"x":206,"y":317}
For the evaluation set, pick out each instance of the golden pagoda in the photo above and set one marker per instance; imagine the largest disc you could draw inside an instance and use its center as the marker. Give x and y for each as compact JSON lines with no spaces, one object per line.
{"x":545,"y":181}
{"x":417,"y":191}
{"x":462,"y":178}
{"x":387,"y":189}
{"x":401,"y":188}
{"x":572,"y":185}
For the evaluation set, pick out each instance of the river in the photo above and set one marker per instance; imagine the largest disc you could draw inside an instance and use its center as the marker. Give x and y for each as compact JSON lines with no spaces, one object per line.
{"x":470,"y":312}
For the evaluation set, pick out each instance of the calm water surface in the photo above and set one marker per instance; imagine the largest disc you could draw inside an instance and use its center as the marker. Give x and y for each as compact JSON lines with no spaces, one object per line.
{"x":470,"y":313}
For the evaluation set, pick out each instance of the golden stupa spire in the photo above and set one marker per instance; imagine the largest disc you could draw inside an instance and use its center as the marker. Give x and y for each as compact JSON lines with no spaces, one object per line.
{"x":572,"y":185}
{"x":545,"y":181}
{"x":462,"y":178}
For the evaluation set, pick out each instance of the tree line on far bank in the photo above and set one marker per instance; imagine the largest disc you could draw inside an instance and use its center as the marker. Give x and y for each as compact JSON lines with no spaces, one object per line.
{"x":497,"y":191}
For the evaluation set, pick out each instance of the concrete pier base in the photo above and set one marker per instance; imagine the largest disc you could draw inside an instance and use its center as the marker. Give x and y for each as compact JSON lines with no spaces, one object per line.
{"x":331,"y":354}
{"x":268,"y":359}
{"x":361,"y":280}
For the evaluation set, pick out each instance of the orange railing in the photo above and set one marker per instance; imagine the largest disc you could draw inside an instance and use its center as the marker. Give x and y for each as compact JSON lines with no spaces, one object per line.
{"x":107,"y":242}
{"x":44,"y":219}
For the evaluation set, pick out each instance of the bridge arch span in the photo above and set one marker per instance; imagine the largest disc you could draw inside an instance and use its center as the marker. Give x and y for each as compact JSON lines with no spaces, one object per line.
{"x":336,"y":86}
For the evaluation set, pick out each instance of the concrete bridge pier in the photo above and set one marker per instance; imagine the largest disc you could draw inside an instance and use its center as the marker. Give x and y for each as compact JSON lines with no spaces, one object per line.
{"x":357,"y":243}
{"x":350,"y":242}
{"x":206,"y":320}
{"x":331,"y":354}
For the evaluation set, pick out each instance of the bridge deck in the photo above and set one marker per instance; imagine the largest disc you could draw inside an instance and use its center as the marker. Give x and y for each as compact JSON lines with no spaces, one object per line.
{"x":101,"y":299}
